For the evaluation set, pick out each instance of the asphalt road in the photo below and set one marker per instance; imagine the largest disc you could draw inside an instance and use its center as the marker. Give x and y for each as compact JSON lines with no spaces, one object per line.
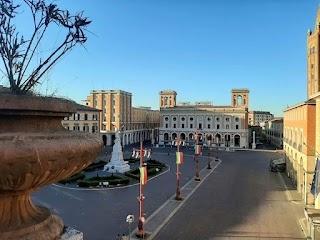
{"x":101,"y":214}
{"x":241,"y":198}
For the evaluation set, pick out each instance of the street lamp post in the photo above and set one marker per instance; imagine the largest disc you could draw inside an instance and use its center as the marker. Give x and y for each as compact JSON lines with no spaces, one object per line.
{"x":196,"y":153}
{"x":143,"y":180}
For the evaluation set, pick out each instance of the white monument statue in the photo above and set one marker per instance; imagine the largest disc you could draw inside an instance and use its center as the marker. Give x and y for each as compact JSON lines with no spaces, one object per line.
{"x":117,"y":164}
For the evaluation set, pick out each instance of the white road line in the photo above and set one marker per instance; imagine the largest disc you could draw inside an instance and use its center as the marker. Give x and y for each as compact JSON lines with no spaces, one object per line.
{"x":71,"y":196}
{"x":178,"y":207}
{"x":288,"y":195}
{"x":40,"y":202}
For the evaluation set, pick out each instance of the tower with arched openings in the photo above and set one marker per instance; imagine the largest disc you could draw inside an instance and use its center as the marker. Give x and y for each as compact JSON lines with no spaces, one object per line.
{"x":240,"y":97}
{"x":168,"y":98}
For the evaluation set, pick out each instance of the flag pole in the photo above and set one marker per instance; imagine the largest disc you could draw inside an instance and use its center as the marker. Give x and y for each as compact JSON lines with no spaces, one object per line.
{"x":217,"y":148}
{"x":197,"y":178}
{"x":141,"y":232}
{"x":178,"y":195}
{"x":209,"y":146}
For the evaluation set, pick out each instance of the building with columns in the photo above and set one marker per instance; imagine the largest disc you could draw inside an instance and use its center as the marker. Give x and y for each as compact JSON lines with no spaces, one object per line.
{"x":117,"y":113}
{"x":226,"y":124}
{"x":302,"y":131}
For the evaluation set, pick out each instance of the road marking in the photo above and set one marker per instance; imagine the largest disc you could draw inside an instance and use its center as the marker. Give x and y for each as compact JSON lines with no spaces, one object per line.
{"x":40,"y":202}
{"x":288,"y":195}
{"x":71,"y":195}
{"x":179,"y":206}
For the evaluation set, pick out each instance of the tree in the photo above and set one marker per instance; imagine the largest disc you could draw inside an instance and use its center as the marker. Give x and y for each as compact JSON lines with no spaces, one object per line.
{"x":18,"y":52}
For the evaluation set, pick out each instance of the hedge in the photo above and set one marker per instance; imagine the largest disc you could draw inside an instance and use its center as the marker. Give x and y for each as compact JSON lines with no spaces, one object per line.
{"x":94,"y":166}
{"x":73,"y":178}
{"x":95,"y":181}
{"x":155,"y":163}
{"x":135,"y":173}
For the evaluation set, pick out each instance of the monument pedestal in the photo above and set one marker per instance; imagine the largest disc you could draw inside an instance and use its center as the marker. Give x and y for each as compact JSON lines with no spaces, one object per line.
{"x":117,"y":167}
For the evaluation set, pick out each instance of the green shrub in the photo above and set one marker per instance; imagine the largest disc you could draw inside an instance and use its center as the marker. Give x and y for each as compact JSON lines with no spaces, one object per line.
{"x":73,"y":178}
{"x":135,"y":173}
{"x":155,"y":163}
{"x":93,"y":166}
{"x":95,"y":181}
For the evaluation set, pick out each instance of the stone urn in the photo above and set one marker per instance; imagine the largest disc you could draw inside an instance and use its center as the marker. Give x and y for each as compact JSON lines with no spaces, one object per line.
{"x":35,"y":150}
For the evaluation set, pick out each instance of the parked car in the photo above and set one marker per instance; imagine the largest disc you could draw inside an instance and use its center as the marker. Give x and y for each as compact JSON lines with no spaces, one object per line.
{"x":277,"y":165}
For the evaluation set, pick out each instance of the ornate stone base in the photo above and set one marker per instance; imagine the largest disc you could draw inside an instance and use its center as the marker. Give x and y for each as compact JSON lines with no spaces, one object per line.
{"x":117,"y":167}
{"x":49,"y":226}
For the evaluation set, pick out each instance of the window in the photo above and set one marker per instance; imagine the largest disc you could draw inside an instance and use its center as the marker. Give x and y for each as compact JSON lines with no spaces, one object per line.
{"x":166,"y":125}
{"x":85,"y":116}
{"x":217,"y":119}
{"x":104,"y":102}
{"x":227,"y":126}
{"x":174,"y":119}
{"x":76,"y":116}
{"x":312,"y":50}
{"x":218,"y":126}
{"x":209,"y":126}
{"x":209,"y":119}
{"x":174,"y":125}
{"x":182,"y":119}
{"x":227,"y":119}
{"x":166,"y":118}
{"x":182,"y":125}
{"x":191,"y":125}
{"x":113,"y":102}
{"x":94,"y":117}
{"x":191,"y":119}
{"x":237,"y":126}
{"x":113,"y":110}
{"x":200,"y":125}
{"x":237,"y":119}
{"x":96,"y":103}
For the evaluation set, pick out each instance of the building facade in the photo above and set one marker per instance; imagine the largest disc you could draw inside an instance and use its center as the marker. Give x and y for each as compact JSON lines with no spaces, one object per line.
{"x":257,"y":117}
{"x":86,"y":119}
{"x":274,"y":132}
{"x":117,"y":113}
{"x":302,"y":130}
{"x":226,"y":124}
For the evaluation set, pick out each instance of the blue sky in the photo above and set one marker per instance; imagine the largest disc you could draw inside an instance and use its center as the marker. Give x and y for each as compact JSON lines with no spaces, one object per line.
{"x":201,"y":49}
